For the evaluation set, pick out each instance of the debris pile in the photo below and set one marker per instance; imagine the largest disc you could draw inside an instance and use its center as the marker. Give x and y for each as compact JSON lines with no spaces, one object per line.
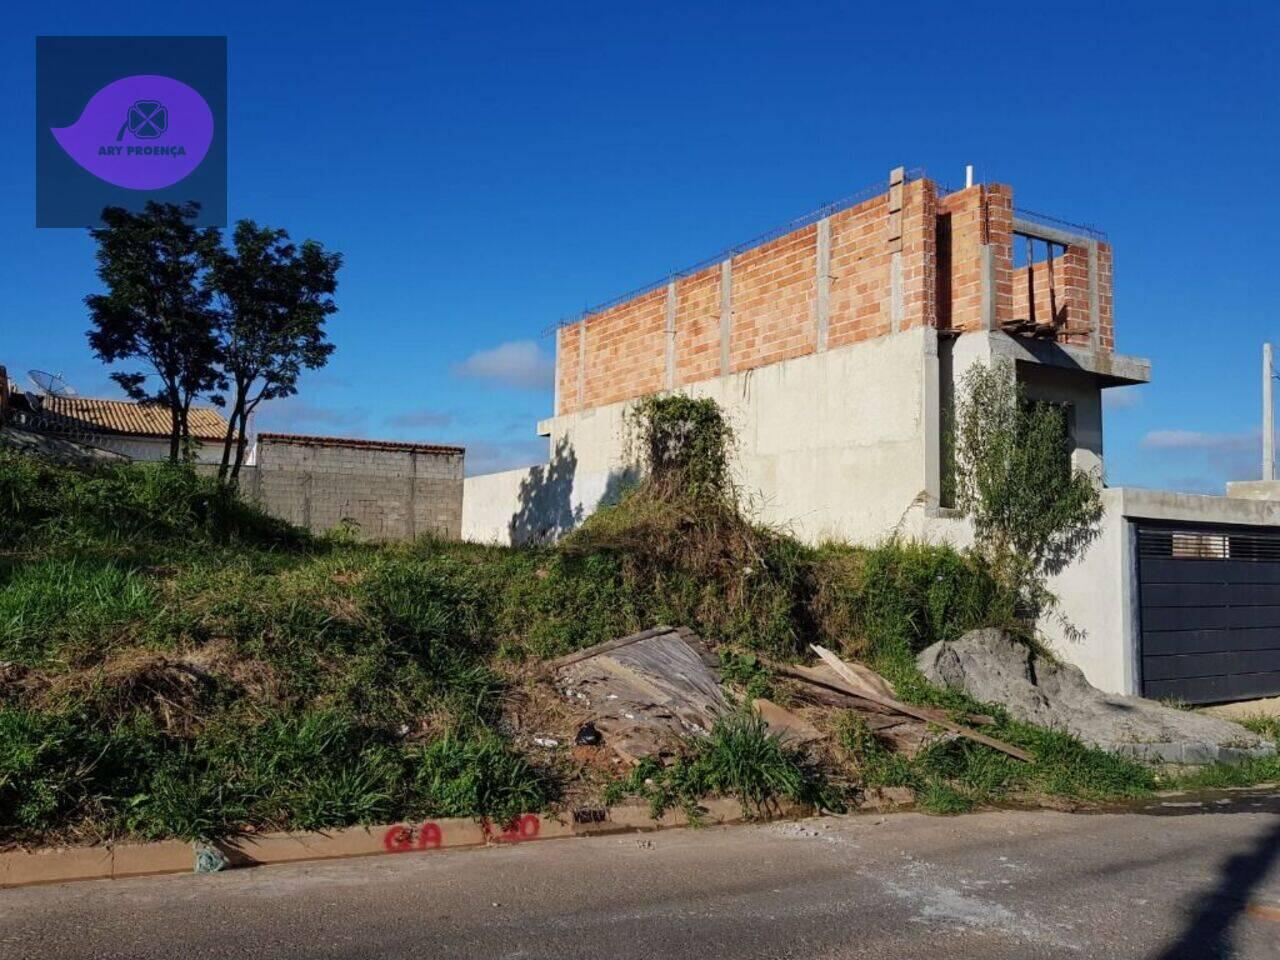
{"x":644,"y":692}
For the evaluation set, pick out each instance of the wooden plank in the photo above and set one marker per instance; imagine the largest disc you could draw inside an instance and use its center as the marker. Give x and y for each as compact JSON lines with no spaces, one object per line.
{"x":785,"y":723}
{"x":829,"y":689}
{"x":608,"y":645}
{"x":825,"y":686}
{"x":922,"y":713}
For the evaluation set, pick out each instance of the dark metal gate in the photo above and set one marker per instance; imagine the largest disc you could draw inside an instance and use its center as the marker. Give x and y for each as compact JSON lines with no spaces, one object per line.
{"x":1209,"y":602}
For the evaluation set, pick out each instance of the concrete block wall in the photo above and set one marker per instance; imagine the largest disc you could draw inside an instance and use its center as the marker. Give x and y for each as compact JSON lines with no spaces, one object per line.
{"x":390,"y":491}
{"x":902,"y":259}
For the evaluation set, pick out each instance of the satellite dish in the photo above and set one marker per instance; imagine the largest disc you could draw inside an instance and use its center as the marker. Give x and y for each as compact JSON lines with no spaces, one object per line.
{"x":50,"y":384}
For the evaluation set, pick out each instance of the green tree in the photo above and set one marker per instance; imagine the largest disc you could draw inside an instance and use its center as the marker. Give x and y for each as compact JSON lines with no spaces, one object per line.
{"x":273,"y":297}
{"x":156,"y":308}
{"x":1032,"y":511}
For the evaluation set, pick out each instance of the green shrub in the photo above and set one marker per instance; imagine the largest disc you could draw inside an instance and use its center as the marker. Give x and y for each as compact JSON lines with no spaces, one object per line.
{"x":684,"y":445}
{"x":886,"y":603}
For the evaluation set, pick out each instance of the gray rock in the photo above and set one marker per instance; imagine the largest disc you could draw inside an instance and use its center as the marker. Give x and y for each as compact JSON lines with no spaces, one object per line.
{"x":991,"y":666}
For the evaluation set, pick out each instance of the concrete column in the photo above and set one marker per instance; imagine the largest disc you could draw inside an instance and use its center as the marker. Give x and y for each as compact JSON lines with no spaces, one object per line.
{"x":1268,"y":426}
{"x":582,"y":364}
{"x":1095,"y":307}
{"x":897,"y":182}
{"x":726,"y":314}
{"x":895,"y":292}
{"x":671,"y":336}
{"x":555,"y":399}
{"x":824,"y":283}
{"x":931,"y":417}
{"x":988,"y":287}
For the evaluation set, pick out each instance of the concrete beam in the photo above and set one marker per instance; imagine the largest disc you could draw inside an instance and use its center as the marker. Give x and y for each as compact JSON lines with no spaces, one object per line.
{"x":1115,"y":370}
{"x":1065,"y":238}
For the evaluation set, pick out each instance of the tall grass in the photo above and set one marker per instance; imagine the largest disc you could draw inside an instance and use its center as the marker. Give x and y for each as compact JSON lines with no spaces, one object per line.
{"x":60,"y":606}
{"x":180,"y":665}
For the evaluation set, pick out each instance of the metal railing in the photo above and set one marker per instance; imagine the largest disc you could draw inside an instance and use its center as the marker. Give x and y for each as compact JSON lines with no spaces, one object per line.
{"x":1066,"y":225}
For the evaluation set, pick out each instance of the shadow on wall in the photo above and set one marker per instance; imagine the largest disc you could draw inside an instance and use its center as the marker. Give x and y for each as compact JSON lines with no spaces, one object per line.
{"x":545,"y":508}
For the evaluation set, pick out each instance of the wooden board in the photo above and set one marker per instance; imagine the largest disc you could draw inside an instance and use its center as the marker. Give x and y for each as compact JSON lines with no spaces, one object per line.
{"x":922,"y":713}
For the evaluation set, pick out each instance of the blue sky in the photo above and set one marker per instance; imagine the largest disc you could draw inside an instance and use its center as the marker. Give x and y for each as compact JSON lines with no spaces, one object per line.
{"x":486,"y":169}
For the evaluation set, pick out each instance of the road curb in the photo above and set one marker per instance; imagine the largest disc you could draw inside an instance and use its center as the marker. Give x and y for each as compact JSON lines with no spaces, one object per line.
{"x":21,"y":868}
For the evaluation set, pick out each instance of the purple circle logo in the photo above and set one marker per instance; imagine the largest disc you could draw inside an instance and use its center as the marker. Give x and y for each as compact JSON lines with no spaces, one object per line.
{"x":142,"y":132}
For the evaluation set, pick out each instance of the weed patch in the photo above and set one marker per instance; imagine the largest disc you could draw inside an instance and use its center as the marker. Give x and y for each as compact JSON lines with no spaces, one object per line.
{"x":740,"y":758}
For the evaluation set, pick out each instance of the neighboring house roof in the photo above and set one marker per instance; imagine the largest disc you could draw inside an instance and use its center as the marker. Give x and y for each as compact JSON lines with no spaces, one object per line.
{"x":357,"y":443}
{"x":127,"y":418}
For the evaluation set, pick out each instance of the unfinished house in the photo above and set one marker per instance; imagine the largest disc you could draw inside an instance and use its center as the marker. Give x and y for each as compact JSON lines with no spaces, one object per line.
{"x":835,"y":345}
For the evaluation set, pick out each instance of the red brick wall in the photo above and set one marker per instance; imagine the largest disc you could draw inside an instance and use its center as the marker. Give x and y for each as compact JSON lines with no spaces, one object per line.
{"x":567,"y":368}
{"x":998,"y":200}
{"x":919,"y":255}
{"x":960,"y":237}
{"x":698,"y":326}
{"x":858,"y":305}
{"x":774,"y":295}
{"x":774,"y":292}
{"x":1037,"y":299}
{"x":626,"y":350}
{"x":1106,"y":293}
{"x":1065,"y":302}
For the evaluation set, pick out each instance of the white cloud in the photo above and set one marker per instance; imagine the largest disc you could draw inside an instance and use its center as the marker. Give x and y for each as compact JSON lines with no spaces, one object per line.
{"x":1205,"y":461}
{"x":1195,"y":440}
{"x":1121,"y":398}
{"x":517,"y":363}
{"x":420,"y":418}
{"x":294,"y":415}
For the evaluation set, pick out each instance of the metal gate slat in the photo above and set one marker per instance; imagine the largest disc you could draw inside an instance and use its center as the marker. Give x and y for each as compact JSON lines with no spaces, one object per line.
{"x":1209,"y":609}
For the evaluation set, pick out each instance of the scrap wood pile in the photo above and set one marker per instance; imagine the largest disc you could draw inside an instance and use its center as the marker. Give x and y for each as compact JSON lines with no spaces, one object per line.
{"x":645,"y":692}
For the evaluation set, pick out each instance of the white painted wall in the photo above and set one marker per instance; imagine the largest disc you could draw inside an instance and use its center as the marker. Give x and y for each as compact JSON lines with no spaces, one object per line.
{"x":1094,"y":627}
{"x":154,"y":448}
{"x":837,"y":445}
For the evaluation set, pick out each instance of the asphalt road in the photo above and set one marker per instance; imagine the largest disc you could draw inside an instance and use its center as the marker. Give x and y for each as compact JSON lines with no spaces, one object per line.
{"x":1173,"y":880}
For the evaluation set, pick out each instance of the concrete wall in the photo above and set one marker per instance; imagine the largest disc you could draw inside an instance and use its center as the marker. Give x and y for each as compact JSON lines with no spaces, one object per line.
{"x":389,"y":491}
{"x":838,"y":444}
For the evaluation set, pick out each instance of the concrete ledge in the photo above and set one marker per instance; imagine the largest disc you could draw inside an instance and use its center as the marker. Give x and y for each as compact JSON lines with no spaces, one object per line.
{"x":1188,"y":752}
{"x":19,"y":868}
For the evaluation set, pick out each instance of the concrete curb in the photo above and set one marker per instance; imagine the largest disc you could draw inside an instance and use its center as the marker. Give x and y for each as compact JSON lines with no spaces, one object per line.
{"x":20,"y":868}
